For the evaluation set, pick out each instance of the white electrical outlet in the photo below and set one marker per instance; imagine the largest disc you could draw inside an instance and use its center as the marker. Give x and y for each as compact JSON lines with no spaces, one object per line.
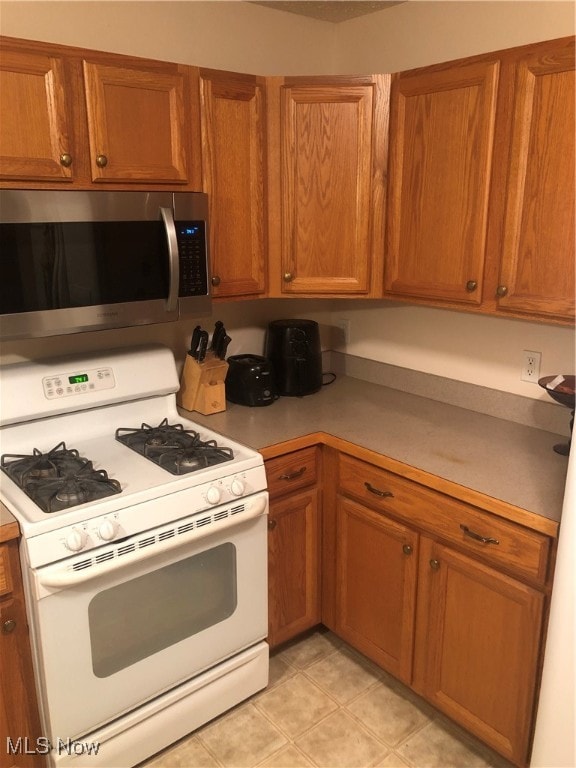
{"x":344,"y":325}
{"x":531,"y":366}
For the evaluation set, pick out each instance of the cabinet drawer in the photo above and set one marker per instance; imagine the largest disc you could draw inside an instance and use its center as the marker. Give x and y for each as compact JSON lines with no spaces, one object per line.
{"x":491,"y":538}
{"x":291,"y":472}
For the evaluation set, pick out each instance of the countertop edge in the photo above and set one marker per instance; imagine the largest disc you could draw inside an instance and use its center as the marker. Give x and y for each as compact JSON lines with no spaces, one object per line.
{"x":478,"y":499}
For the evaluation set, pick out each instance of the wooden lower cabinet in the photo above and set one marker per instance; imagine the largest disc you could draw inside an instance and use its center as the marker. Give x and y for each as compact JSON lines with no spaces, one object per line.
{"x":293,"y":566}
{"x":477,"y":645}
{"x":19,"y":719}
{"x":376,"y":569}
{"x":445,"y":596}
{"x":293,"y":544}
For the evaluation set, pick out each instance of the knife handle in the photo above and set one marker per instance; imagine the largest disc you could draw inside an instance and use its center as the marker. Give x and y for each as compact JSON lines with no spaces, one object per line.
{"x":224,"y":346}
{"x":195,"y":341}
{"x":202,"y":346}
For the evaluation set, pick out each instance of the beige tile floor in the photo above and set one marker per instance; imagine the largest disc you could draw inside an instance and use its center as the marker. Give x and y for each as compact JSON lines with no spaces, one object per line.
{"x":328,"y":706}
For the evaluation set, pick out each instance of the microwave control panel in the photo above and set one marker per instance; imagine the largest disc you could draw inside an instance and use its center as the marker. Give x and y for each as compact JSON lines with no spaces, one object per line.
{"x":78,"y":383}
{"x":191,"y":237}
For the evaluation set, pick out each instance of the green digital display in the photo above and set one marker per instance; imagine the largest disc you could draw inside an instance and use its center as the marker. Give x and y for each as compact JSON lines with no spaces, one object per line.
{"x":80,"y":378}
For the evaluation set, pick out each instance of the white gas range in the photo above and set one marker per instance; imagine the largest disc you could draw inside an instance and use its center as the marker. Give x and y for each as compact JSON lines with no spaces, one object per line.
{"x":143,"y":550}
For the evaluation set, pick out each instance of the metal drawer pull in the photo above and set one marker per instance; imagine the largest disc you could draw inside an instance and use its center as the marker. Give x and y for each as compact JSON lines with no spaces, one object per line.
{"x":435,"y":565}
{"x":293,"y":475}
{"x":477,"y":537}
{"x":407,"y":549}
{"x":378,"y":492}
{"x":272,"y":524}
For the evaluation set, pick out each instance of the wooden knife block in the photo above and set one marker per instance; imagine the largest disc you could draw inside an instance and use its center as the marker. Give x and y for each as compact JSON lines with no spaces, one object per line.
{"x":202,"y":385}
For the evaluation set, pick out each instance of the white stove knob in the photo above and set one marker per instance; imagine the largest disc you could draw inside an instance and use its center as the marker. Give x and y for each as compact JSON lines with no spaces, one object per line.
{"x":107,"y":529}
{"x":213,"y":495}
{"x":75,"y":540}
{"x":237,"y":486}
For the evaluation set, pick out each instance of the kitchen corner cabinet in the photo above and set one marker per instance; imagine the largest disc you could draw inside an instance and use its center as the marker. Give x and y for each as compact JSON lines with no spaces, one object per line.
{"x":327,"y":177}
{"x":19,"y":717}
{"x":445,"y":596}
{"x":293,"y":544}
{"x":85,"y":117}
{"x":537,"y":269}
{"x":233,"y":121}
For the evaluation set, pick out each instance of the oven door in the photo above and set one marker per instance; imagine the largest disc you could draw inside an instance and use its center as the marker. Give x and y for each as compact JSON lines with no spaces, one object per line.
{"x":119,"y":632}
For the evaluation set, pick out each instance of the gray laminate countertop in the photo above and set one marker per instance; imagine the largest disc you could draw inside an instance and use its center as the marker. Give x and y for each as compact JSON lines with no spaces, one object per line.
{"x":502,"y":459}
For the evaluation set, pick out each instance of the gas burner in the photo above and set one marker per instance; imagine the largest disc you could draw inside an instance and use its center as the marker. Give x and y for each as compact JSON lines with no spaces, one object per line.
{"x":58,"y":479}
{"x":175,"y":449}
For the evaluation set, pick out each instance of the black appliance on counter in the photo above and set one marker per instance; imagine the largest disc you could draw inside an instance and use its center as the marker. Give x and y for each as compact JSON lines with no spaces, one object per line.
{"x":293,"y":348}
{"x":250,"y":380}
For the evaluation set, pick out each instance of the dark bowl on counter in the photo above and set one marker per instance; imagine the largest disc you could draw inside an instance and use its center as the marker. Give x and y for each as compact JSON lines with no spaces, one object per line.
{"x":562,"y":393}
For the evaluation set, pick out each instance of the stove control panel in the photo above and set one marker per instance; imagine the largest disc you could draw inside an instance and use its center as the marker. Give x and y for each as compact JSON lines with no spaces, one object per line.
{"x":78,"y":382}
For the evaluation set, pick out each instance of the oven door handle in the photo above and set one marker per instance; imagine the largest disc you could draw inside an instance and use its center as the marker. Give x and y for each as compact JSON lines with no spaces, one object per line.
{"x":65,"y":575}
{"x":173,"y":259}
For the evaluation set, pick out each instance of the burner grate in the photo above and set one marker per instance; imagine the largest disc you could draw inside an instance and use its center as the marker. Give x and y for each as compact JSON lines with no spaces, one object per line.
{"x":175,"y":449}
{"x":58,"y":479}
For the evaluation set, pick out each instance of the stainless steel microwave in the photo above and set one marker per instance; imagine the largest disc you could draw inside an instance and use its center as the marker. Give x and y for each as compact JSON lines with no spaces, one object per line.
{"x":74,"y":261}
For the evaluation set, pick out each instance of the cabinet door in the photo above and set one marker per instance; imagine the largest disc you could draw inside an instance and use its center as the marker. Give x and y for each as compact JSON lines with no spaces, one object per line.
{"x":233,"y":171}
{"x":376,"y":567}
{"x":293,"y":565}
{"x":35,"y":139}
{"x":477,"y":644}
{"x":331,"y":165}
{"x":19,"y":719}
{"x":136,"y":122}
{"x":538,"y":253}
{"x":441,"y":141}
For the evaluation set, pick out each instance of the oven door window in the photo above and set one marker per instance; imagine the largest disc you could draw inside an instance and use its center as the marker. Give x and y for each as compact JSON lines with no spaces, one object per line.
{"x":137,"y":618}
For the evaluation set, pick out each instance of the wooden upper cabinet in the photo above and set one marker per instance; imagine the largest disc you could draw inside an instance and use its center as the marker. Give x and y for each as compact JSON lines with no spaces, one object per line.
{"x":441,"y":142}
{"x":234,"y":176}
{"x":35,"y":138}
{"x":136,"y":122}
{"x":328,"y":139}
{"x":538,"y":255}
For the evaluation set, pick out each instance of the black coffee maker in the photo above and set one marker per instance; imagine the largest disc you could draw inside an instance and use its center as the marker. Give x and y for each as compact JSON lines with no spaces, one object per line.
{"x":293,"y":348}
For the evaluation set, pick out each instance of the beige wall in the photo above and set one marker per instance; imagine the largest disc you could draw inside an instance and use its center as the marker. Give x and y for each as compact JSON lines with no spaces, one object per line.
{"x":244,"y":37}
{"x":416,"y":34}
{"x":233,"y":35}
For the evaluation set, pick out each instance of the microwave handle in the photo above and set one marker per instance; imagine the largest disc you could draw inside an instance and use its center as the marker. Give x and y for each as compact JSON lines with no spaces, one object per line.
{"x":173,"y":259}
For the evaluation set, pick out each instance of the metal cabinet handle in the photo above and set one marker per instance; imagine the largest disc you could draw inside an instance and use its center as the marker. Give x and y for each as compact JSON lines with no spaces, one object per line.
{"x":378,"y":492}
{"x":407,"y":549}
{"x":502,"y":290}
{"x":288,"y":277}
{"x":435,"y":565}
{"x":272,"y":524}
{"x":66,"y":160}
{"x":293,"y":475}
{"x":477,"y":536}
{"x":101,"y":161}
{"x":215,"y":280}
{"x":471,"y":286}
{"x":8,"y":626}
